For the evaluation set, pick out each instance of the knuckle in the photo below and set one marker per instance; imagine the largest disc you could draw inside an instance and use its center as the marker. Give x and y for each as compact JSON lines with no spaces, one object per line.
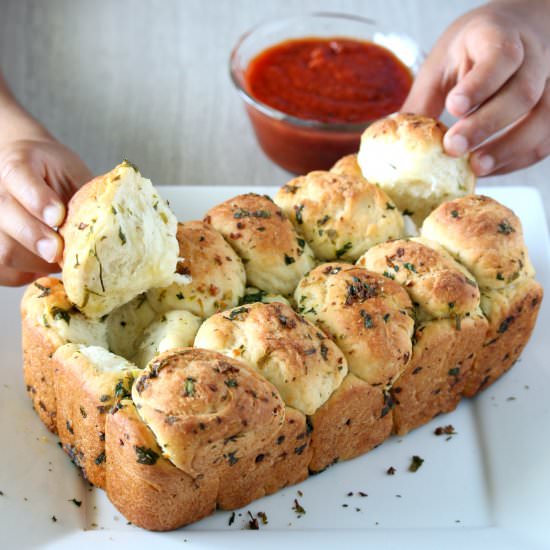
{"x":510,"y":49}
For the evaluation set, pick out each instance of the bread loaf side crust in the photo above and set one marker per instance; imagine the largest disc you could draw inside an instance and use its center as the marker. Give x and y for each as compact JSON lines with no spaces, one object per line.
{"x":509,"y":331}
{"x":353,"y":421}
{"x":145,"y":487}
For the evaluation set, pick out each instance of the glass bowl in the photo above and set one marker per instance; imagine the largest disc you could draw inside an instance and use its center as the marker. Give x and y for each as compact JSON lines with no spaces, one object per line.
{"x":296,"y":144}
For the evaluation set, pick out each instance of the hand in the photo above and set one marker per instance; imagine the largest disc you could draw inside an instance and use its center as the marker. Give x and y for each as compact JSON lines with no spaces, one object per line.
{"x":37,"y":178}
{"x":491,"y":69}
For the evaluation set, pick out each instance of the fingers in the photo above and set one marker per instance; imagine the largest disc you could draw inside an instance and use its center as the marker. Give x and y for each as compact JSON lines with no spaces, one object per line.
{"x":17,"y":223}
{"x":30,"y":190}
{"x":496,"y":57}
{"x":427,"y":95}
{"x":12,"y":277}
{"x":16,"y":257}
{"x":525,"y":143}
{"x":515,"y":99}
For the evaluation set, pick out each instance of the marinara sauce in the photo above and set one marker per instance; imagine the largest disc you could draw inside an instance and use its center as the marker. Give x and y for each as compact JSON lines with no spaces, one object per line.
{"x":326,"y":80}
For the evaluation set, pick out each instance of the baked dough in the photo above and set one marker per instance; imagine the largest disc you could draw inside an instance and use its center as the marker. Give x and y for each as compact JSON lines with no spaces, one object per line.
{"x":120,"y":240}
{"x":403,"y":153}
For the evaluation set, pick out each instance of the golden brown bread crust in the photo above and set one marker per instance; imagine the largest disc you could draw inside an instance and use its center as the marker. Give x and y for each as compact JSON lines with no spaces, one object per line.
{"x":483,"y":235}
{"x":433,"y":382}
{"x":340,"y":216}
{"x":206,"y":409}
{"x":40,"y":341}
{"x":437,"y":284}
{"x":147,"y":489}
{"x":347,"y":166}
{"x":274,"y":256}
{"x":38,"y":349}
{"x":283,"y":461}
{"x":209,"y":276}
{"x":84,"y":396}
{"x":289,"y":351}
{"x":353,"y":421}
{"x":368,"y":315}
{"x":512,"y":313}
{"x":404,"y":154}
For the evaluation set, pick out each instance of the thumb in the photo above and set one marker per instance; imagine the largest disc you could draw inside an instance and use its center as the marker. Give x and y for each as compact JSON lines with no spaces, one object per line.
{"x":428,"y":92}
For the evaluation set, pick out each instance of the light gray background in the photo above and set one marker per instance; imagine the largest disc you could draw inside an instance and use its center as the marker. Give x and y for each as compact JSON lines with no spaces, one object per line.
{"x":148,"y":79}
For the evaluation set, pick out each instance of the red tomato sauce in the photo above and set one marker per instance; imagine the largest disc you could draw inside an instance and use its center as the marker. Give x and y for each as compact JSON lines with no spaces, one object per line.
{"x":335,"y":80}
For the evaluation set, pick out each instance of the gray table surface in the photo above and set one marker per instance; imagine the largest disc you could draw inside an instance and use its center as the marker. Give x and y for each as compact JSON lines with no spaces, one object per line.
{"x":148,"y":79}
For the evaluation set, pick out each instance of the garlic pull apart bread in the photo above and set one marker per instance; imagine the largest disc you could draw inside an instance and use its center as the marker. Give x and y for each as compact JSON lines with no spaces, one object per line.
{"x":340,"y":216}
{"x":209,"y":275}
{"x":89,"y":383}
{"x":487,"y":238}
{"x":403,"y":153}
{"x":173,"y":329}
{"x":449,"y":331}
{"x":50,"y":320}
{"x":370,"y":318}
{"x":275,"y":257}
{"x":120,"y":240}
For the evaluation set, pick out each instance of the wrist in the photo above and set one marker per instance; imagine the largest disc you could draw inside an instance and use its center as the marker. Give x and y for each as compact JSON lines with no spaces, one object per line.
{"x":17,"y":125}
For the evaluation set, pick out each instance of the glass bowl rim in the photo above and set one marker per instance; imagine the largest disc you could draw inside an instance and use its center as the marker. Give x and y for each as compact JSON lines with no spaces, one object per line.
{"x":351,"y":127}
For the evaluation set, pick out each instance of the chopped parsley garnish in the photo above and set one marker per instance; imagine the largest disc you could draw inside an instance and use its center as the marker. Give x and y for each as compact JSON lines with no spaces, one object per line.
{"x":391,"y":471}
{"x":298,"y":508}
{"x":503,"y":327}
{"x":253,"y":297}
{"x":408,"y":212}
{"x":409,"y":266}
{"x":388,"y":275}
{"x":505,"y":228}
{"x":60,"y":314}
{"x":367,"y":319}
{"x":46,"y":291}
{"x":242,"y":213}
{"x":301,"y":242}
{"x":500,"y":277}
{"x":146,"y":456}
{"x":77,"y":503}
{"x":121,"y":236}
{"x":231,"y":519}
{"x":100,"y":459}
{"x":236,"y":312}
{"x":289,"y":259}
{"x":231,"y":458}
{"x":253,"y":522}
{"x":390,"y":206}
{"x":341,"y":251}
{"x":323,"y":220}
{"x":231,"y":383}
{"x":454,"y":213}
{"x":415,"y":464}
{"x":298,"y":212}
{"x":189,"y":387}
{"x":454,"y":371}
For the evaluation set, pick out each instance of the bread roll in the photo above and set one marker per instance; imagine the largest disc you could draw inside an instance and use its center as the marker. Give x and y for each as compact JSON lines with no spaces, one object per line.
{"x":487,"y":238}
{"x":120,"y":240}
{"x":340,"y":216}
{"x":449,"y":332}
{"x":403,"y":153}
{"x":292,"y":353}
{"x":367,"y":315}
{"x":49,"y":320}
{"x":145,"y":487}
{"x":275,"y":257}
{"x":205,"y":409}
{"x":253,"y":295}
{"x":483,"y":235}
{"x":89,"y":382}
{"x":347,"y":166}
{"x":209,"y":276}
{"x":173,"y":329}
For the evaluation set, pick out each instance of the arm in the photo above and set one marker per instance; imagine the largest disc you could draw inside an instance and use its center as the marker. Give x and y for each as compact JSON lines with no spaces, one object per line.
{"x":491,"y":70}
{"x":38,"y":175}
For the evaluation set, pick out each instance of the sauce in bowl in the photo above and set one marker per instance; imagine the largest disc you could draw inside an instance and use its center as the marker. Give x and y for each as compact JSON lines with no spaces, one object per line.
{"x":330,"y":80}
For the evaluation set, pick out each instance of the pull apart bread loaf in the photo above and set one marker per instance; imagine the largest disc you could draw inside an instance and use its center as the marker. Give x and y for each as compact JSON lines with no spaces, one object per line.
{"x":202,"y":365}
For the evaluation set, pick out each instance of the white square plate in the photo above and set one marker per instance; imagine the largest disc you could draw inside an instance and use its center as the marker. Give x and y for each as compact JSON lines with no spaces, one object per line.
{"x":486,"y":487}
